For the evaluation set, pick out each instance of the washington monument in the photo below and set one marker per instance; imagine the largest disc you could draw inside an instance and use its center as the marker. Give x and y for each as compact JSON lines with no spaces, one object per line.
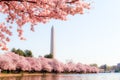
{"x":52,"y":46}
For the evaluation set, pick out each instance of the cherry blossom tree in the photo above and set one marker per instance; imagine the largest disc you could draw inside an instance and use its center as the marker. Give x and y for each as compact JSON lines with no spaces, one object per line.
{"x":70,"y":67}
{"x":6,"y":63}
{"x":34,"y":12}
{"x":23,"y":64}
{"x":57,"y":66}
{"x":45,"y":65}
{"x":11,"y":61}
{"x":35,"y":63}
{"x":80,"y":68}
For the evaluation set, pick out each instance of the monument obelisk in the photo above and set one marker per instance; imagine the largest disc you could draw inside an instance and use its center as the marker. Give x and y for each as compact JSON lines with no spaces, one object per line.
{"x":52,"y":49}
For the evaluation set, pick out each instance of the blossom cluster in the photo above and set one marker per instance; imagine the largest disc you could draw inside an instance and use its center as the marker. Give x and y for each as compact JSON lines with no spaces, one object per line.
{"x":11,"y":61}
{"x":34,"y":12}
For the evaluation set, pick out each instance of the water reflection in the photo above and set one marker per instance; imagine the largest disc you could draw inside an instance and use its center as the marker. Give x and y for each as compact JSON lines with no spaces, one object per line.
{"x":40,"y":77}
{"x":108,"y":76}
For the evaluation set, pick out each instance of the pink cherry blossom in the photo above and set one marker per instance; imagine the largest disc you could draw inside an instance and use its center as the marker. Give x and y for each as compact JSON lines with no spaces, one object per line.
{"x":34,"y":12}
{"x":34,"y":63}
{"x":11,"y":61}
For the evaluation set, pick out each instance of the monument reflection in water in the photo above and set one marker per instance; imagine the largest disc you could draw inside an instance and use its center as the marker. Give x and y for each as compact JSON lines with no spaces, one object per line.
{"x":100,"y":76}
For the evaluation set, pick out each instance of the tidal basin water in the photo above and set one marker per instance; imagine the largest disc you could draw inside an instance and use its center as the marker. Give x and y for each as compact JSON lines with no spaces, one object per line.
{"x":99,"y":76}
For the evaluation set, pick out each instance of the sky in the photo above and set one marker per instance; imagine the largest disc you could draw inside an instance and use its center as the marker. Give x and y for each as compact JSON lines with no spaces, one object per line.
{"x":93,"y":37}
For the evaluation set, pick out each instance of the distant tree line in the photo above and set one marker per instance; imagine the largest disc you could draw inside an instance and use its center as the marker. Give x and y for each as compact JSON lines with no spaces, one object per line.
{"x":48,"y":56}
{"x":25,"y":53}
{"x":107,"y":68}
{"x":28,"y":53}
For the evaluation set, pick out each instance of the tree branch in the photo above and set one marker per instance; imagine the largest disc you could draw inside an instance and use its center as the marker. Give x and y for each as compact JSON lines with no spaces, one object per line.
{"x":73,"y":1}
{"x":20,"y":1}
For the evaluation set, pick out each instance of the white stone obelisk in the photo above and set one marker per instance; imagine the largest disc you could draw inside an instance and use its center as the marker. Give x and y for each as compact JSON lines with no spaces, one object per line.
{"x":52,"y":49}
